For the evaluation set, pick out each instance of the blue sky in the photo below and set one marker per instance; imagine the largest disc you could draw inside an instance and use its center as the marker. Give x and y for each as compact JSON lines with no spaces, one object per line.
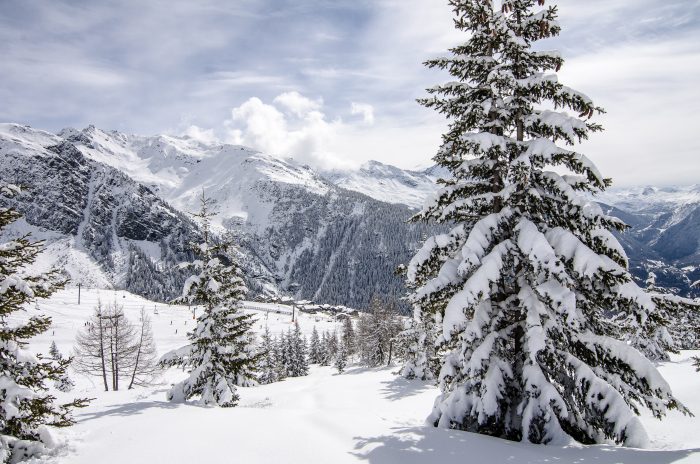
{"x":333,"y":83}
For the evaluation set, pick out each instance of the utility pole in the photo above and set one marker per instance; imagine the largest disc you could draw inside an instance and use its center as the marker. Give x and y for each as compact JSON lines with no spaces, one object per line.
{"x":78,"y":293}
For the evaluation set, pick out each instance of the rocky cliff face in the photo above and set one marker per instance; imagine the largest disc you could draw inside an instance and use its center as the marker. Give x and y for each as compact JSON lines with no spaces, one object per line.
{"x":108,"y":216}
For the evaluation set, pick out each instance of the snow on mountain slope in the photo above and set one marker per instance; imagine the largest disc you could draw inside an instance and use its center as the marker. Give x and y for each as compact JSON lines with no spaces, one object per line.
{"x":638,"y":199}
{"x":19,"y":139}
{"x":179,"y":168}
{"x":388,"y":183}
{"x":123,"y":198}
{"x":362,"y":416}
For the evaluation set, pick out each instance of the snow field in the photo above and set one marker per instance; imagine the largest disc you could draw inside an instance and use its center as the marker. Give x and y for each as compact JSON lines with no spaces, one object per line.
{"x":364,"y":415}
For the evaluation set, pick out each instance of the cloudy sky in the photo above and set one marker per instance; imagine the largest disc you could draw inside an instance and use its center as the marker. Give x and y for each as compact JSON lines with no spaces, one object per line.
{"x":334,"y":82}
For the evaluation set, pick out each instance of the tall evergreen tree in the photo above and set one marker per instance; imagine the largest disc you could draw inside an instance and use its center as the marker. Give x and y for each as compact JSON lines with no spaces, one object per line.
{"x":25,"y":407}
{"x":527,"y":275}
{"x":221,"y":353}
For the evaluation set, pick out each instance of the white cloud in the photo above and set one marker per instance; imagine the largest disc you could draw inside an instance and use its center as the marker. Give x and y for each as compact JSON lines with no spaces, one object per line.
{"x":303,"y":132}
{"x":201,"y":135}
{"x":364,"y":109}
{"x":297,"y":104}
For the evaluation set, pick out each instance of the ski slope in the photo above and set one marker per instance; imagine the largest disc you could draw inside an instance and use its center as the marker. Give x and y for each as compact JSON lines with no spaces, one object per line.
{"x":362,"y":416}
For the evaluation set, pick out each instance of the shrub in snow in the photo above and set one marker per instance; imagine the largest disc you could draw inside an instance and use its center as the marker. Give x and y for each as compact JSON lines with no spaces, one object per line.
{"x":26,"y":409}
{"x":221,"y":354}
{"x":526,"y":277}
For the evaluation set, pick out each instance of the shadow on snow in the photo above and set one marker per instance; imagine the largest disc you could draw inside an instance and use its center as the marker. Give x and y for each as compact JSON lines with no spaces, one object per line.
{"x":399,"y":388}
{"x":420,"y":445}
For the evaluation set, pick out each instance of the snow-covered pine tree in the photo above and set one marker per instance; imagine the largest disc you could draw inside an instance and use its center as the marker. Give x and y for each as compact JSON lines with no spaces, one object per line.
{"x":64,"y":383}
{"x":347,"y":338}
{"x":421,"y":360}
{"x":281,"y":356}
{"x":529,"y":272}
{"x":298,"y":362}
{"x":324,"y":355}
{"x":332,"y":344}
{"x":54,"y":353}
{"x":25,"y":407}
{"x":221,"y":353}
{"x":314,"y":348}
{"x":267,"y":362}
{"x":341,"y":358}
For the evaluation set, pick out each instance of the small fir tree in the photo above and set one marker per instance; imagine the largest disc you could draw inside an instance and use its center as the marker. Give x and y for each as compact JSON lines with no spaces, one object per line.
{"x":54,"y":353}
{"x":26,"y":409}
{"x":526,"y":277}
{"x":281,"y":356}
{"x":341,"y":358}
{"x":64,"y":383}
{"x":221,"y":354}
{"x":324,"y":354}
{"x":348,"y":338}
{"x":267,"y":362}
{"x":314,"y":347}
{"x":332,"y":345}
{"x":299,"y":365}
{"x":421,"y":359}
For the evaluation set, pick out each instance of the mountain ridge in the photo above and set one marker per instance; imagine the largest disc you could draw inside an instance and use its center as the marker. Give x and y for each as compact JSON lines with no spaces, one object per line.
{"x":303,"y":232}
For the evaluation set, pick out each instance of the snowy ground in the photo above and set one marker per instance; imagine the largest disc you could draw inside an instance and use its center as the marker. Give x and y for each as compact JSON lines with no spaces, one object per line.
{"x":361,"y":416}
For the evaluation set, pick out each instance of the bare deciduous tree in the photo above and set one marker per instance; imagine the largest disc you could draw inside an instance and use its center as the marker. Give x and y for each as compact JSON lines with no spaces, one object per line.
{"x":111,"y":346}
{"x":145,"y":365}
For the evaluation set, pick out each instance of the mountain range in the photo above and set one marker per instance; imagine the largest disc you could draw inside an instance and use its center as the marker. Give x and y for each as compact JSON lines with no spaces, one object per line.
{"x":113,"y":209}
